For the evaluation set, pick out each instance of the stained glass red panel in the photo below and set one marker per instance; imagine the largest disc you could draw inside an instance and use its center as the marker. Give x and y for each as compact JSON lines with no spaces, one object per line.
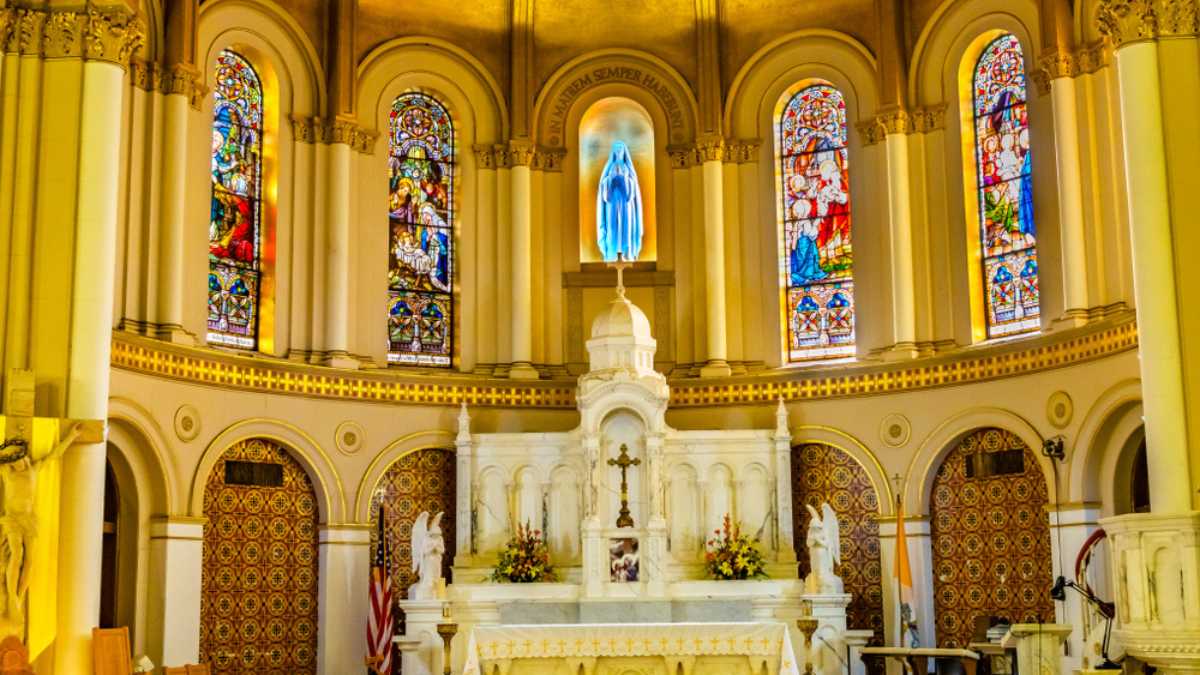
{"x":819,"y":260}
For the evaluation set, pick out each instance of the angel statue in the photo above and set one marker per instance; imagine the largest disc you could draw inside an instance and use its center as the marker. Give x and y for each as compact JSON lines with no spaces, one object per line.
{"x":824,"y":551}
{"x":428,"y":547}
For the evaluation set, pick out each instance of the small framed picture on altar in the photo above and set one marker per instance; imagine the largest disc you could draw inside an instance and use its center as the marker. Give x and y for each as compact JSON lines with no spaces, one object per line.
{"x":623,"y":560}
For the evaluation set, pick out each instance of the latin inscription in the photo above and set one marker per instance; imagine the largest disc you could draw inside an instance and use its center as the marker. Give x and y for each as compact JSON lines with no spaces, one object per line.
{"x":661,"y":90}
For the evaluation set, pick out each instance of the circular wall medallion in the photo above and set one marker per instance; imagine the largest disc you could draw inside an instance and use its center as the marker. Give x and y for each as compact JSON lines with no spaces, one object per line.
{"x":187,"y":422}
{"x":349,"y":437}
{"x":1059,"y":409}
{"x":895,"y":430}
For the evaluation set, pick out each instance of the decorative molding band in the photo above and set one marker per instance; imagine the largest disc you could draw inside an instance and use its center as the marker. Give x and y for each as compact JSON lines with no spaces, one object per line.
{"x":339,"y":131}
{"x":1127,"y":21}
{"x":94,"y":33}
{"x":1056,"y":64}
{"x":196,"y":365}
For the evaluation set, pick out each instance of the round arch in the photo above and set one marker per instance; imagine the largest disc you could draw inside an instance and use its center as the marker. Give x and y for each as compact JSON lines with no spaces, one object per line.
{"x":1104,"y":430}
{"x":923,"y":467}
{"x":140,"y":442}
{"x":856,"y":450}
{"x":392,"y":453}
{"x":645,"y":78}
{"x":331,"y":499}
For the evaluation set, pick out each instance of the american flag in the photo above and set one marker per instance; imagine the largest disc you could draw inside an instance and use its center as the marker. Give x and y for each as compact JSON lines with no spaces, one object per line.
{"x":379,"y":624}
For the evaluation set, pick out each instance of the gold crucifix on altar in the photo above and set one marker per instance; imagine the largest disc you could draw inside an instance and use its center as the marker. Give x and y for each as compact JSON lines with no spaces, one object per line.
{"x":623,"y":462}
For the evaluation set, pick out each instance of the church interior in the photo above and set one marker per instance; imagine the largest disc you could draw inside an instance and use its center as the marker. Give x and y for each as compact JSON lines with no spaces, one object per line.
{"x":568,"y":337}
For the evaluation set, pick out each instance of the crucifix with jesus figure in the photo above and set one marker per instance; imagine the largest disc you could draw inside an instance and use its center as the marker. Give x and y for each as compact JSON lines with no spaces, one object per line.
{"x":623,"y":462}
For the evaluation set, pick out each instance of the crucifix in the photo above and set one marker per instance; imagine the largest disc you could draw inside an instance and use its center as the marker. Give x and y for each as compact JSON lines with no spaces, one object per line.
{"x":620,"y":266}
{"x":623,"y":462}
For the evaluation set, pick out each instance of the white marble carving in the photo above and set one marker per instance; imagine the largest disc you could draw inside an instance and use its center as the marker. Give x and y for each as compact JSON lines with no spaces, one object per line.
{"x":428,"y":547}
{"x":824,"y":551}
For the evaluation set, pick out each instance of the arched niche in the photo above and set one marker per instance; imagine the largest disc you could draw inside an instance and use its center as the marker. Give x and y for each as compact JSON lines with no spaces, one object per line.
{"x":1102,"y":434}
{"x":327,"y":484}
{"x":944,"y":58}
{"x":293,"y":88}
{"x":391,"y":453}
{"x":760,"y":90}
{"x":475,"y":104}
{"x":606,"y":121}
{"x":624,"y":428}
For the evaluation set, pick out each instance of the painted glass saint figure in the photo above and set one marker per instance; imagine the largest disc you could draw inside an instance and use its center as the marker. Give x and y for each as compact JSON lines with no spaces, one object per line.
{"x":421,"y":181}
{"x":1008,"y":238}
{"x":234,"y":227}
{"x":815,"y":200}
{"x":619,"y":207}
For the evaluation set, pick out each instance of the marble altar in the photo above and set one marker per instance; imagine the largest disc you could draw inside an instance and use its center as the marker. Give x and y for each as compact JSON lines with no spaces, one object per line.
{"x":623,"y":486}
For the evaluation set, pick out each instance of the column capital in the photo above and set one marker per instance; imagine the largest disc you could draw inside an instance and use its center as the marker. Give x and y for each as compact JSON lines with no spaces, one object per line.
{"x":710,"y":148}
{"x":929,"y":118}
{"x":1127,"y":21}
{"x":894,"y":120}
{"x":549,"y":159}
{"x":97,"y":33}
{"x":520,"y":152}
{"x":342,"y":130}
{"x":1059,"y":63}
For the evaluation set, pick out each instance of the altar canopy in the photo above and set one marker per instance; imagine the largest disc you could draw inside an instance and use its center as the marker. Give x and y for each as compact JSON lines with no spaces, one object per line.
{"x":733,"y":648}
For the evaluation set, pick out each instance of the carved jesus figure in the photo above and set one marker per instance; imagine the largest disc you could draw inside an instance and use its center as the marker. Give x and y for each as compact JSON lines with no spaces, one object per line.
{"x":18,"y":525}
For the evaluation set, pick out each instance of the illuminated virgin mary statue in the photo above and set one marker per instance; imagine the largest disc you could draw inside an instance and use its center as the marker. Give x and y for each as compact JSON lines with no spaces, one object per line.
{"x":619,"y":207}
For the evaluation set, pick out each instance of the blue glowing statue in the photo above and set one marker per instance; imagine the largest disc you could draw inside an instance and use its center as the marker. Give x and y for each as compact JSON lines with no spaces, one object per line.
{"x":619,"y":207}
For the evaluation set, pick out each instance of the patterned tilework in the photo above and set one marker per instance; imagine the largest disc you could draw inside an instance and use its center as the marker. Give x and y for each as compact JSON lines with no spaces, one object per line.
{"x":420,"y":481}
{"x":991,"y":541}
{"x":258,"y":588}
{"x":822,"y":473}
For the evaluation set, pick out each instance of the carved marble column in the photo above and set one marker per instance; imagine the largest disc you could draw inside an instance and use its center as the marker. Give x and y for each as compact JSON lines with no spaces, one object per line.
{"x":107,"y":36}
{"x":711,"y":151}
{"x":521,"y":157}
{"x":1134,"y":25}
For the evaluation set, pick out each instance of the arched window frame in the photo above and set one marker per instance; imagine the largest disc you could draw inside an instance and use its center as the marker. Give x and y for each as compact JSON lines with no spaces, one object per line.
{"x":1006,"y":280}
{"x":817,"y":259}
{"x":420,"y":272}
{"x":235,"y":274}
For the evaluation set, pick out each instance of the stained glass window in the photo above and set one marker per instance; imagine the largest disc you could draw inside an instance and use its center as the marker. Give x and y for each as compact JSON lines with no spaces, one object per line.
{"x":421,"y":216}
{"x":1007,"y":237}
{"x":235,"y":220}
{"x":818,"y":265}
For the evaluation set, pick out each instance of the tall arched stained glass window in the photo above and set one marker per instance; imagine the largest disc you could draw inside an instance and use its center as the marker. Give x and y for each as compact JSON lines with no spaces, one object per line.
{"x":235,"y":220}
{"x":1008,"y":242}
{"x":421,"y":214}
{"x":818,"y":266}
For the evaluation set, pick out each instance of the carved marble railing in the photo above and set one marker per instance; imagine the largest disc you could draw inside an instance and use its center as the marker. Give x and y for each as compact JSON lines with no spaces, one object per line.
{"x":1156,"y":574}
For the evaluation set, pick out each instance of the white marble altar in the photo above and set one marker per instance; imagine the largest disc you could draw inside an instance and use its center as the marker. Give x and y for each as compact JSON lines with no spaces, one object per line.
{"x":681,"y":485}
{"x":729,"y":648}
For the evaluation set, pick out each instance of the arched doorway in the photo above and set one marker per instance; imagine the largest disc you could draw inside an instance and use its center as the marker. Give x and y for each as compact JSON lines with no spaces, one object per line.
{"x":258,"y":606}
{"x":822,"y":473}
{"x":423,"y":480}
{"x":991,"y":537}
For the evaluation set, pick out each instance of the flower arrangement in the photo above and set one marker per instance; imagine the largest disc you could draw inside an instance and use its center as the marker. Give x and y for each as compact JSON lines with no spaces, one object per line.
{"x":733,"y":555}
{"x":525,"y":559}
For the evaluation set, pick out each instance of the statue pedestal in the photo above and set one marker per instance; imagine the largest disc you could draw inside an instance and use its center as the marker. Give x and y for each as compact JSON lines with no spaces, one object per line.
{"x":827,"y":649}
{"x":422,"y":646}
{"x":1039,"y":646}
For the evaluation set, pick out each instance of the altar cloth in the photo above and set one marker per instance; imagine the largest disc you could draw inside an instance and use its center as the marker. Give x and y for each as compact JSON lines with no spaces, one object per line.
{"x":765,"y":641}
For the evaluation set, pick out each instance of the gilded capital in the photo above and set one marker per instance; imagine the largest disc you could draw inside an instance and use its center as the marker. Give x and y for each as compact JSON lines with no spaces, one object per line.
{"x":113,"y":34}
{"x":348,"y":132}
{"x":520,"y":153}
{"x":886,"y":123}
{"x":1126,"y":21}
{"x":184,"y":79}
{"x":485,"y":156}
{"x":710,"y":148}
{"x":742,"y":151}
{"x":682,"y":157}
{"x":929,"y":118}
{"x":27,"y":34}
{"x":549,"y":159}
{"x":62,"y":34}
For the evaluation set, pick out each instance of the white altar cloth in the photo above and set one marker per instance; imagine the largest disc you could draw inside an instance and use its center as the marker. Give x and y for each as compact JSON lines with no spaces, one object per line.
{"x":759,"y":641}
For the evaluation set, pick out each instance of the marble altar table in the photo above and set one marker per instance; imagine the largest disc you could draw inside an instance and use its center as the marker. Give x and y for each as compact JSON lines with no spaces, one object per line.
{"x":727,"y":648}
